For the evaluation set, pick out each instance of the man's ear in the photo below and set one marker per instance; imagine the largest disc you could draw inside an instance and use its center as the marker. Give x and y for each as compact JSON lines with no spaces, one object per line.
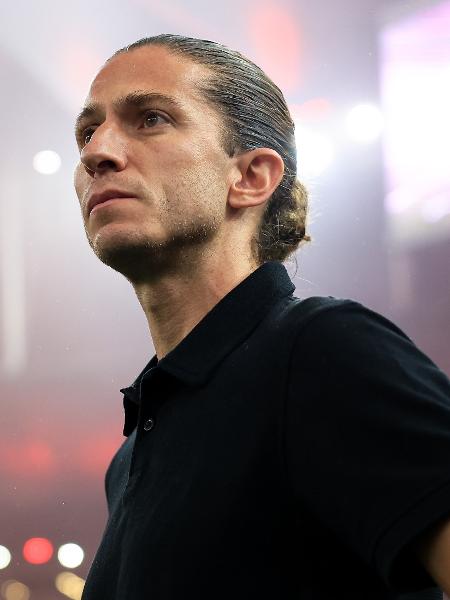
{"x":256,"y":175}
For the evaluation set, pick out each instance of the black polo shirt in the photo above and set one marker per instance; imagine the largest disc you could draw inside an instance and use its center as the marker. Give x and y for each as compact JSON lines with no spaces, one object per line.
{"x":285,"y":449}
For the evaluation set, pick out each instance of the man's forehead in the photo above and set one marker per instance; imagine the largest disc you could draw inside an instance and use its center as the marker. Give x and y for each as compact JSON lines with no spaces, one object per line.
{"x":148,"y":67}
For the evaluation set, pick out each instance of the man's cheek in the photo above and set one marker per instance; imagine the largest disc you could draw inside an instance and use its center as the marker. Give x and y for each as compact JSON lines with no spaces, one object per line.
{"x":79,"y":180}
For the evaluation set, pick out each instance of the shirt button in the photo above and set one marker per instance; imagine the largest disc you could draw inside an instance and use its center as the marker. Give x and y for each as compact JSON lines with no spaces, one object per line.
{"x":149,"y":424}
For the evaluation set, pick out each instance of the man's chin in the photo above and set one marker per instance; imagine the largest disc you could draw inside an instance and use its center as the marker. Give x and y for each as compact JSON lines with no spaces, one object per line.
{"x":125,"y":258}
{"x":140,"y":257}
{"x":137,"y":261}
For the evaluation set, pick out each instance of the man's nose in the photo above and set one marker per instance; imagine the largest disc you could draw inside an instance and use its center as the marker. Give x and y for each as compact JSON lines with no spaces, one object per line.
{"x":106,"y":151}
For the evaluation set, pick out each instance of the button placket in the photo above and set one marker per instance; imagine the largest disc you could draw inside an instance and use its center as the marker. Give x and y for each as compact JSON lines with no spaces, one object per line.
{"x":149,"y":422}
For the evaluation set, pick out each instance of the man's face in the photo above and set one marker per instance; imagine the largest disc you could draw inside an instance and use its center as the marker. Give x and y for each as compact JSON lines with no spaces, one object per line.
{"x":164,"y":157}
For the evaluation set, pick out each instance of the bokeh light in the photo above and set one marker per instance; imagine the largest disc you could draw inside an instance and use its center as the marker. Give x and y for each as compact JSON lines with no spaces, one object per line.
{"x":70,"y":555}
{"x":314,"y":109}
{"x":277,"y":41}
{"x":47,"y":162}
{"x":364,"y":123}
{"x":15,"y":590}
{"x":315,"y":152}
{"x":5,"y":557}
{"x":69,"y":585}
{"x":37,"y":551}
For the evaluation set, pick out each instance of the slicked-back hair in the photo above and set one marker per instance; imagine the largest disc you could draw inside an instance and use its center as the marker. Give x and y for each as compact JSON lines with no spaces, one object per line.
{"x":254,"y":115}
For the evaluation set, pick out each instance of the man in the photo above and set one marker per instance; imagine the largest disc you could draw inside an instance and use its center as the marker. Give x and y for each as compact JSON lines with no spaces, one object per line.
{"x":276,"y":447}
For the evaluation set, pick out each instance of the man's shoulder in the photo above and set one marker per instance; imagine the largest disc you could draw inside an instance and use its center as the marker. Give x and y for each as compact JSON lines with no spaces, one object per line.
{"x":297,"y":313}
{"x":334,"y":322}
{"x":293,"y":316}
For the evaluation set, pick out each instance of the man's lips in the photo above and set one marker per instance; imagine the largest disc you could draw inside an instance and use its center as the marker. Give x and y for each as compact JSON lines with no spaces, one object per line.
{"x":107,"y":202}
{"x":105,"y":196}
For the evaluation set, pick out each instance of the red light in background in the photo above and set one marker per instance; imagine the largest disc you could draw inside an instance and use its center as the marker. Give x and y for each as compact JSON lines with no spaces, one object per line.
{"x":316,"y":109}
{"x":277,"y":40}
{"x":40,"y":455}
{"x":32,"y":458}
{"x":96,"y":453}
{"x":37,"y":551}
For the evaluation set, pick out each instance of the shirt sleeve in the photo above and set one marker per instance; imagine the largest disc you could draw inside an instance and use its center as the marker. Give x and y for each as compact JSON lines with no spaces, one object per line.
{"x":368,"y":437}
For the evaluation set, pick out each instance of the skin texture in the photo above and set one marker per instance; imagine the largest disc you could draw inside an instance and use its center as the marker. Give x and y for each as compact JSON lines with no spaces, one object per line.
{"x":183,"y":242}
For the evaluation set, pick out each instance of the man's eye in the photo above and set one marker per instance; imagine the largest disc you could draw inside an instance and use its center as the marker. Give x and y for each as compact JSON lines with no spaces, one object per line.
{"x":151,"y":118}
{"x":86,"y":136}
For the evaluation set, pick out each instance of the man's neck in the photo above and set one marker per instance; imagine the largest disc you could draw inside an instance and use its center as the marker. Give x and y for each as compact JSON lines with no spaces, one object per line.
{"x":175,"y":304}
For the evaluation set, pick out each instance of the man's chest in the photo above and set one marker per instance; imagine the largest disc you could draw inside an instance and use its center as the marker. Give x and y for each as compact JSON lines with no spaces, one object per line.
{"x":208,"y":462}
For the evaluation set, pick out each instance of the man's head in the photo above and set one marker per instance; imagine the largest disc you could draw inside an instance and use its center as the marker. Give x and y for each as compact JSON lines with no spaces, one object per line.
{"x":203,"y":143}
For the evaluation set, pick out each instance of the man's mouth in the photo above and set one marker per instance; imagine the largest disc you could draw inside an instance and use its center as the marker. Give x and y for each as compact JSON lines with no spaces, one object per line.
{"x":106,"y":197}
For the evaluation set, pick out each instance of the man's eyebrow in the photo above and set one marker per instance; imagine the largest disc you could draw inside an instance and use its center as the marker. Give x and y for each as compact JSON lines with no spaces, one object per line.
{"x":135,"y":99}
{"x":139,"y":98}
{"x":88,"y":111}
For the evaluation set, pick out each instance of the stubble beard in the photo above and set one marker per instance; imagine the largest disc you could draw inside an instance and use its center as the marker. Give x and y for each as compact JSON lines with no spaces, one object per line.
{"x":141,"y":258}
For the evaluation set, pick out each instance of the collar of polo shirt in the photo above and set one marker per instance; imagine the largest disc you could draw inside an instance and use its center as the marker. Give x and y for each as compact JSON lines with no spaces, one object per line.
{"x":220,"y":331}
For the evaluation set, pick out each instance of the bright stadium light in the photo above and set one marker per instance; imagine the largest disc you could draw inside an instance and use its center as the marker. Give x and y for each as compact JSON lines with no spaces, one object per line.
{"x":69,"y":585}
{"x":364,"y":123}
{"x":315,"y":152}
{"x":436,"y":208}
{"x":70,"y":555}
{"x":5,"y":557}
{"x":37,"y":551}
{"x":46,"y":162}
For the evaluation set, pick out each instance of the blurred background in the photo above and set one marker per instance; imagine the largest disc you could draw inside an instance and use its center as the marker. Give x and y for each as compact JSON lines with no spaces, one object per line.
{"x":368,"y":84}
